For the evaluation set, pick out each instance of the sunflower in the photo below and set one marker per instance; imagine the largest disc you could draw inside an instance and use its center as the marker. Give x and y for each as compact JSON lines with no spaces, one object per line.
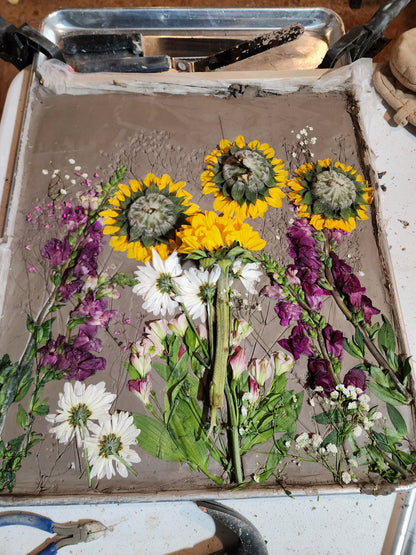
{"x":211,"y":232}
{"x":245,"y":178}
{"x":330,"y":194}
{"x":144,"y":216}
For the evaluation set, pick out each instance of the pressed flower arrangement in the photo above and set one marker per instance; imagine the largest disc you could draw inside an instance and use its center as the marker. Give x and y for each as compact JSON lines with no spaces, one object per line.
{"x":211,"y":389}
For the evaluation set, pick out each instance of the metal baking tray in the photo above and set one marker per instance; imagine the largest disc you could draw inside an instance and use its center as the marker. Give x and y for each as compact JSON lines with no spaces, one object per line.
{"x":62,"y":147}
{"x":193,"y":33}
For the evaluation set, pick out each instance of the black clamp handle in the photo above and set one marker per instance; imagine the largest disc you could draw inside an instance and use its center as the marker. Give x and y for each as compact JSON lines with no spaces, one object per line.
{"x":365,"y":40}
{"x":18,"y":45}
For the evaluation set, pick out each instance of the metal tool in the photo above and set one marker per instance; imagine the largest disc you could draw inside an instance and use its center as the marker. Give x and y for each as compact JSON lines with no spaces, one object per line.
{"x":247,"y":540}
{"x":123,"y":53}
{"x":18,"y":45}
{"x":65,"y":534}
{"x":365,"y":40}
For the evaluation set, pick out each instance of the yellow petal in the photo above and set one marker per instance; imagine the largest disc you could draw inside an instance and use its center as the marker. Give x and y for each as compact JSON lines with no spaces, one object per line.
{"x":111,"y":230}
{"x":109,"y":213}
{"x":125,"y":190}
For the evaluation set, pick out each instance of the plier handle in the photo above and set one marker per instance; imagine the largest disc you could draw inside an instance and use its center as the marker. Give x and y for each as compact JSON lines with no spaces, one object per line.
{"x":365,"y":40}
{"x":18,"y":45}
{"x":64,"y":534}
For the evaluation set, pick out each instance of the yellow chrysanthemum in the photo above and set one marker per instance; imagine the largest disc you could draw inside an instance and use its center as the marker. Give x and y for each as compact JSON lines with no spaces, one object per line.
{"x":210,"y":232}
{"x":145,"y":216}
{"x":330,"y":194}
{"x":245,"y":178}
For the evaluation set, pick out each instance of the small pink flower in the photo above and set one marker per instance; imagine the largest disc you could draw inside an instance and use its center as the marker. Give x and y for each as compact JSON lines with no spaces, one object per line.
{"x":31,"y":269}
{"x":179,"y":325}
{"x":238,"y":362}
{"x":142,"y":388}
{"x":283,"y":362}
{"x":261,"y":369}
{"x":29,"y":218}
{"x":253,"y":394}
{"x":141,"y":360}
{"x":27,"y":247}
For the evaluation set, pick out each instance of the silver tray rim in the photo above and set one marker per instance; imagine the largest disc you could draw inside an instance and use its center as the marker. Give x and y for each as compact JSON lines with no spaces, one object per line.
{"x":323,"y":22}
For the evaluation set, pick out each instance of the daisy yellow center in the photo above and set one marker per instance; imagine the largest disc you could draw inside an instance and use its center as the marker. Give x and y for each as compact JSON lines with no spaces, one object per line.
{"x":78,"y":415}
{"x":151,"y":215}
{"x":164,"y":283}
{"x":334,"y":190}
{"x":246,"y":170}
{"x":110,"y":444}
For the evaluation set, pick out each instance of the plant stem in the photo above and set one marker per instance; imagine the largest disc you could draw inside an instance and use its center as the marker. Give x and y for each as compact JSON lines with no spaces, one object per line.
{"x":85,"y":453}
{"x":129,"y":468}
{"x":235,"y":438}
{"x":382,"y":362}
{"x":216,"y":392}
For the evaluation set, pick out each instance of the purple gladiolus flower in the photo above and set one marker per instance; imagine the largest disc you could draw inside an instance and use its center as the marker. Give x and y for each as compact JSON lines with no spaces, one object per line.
{"x":320,"y":376}
{"x":297,"y":343}
{"x":313,"y":294}
{"x":356,"y":378}
{"x":56,"y":251}
{"x":346,"y":281}
{"x":287,"y":312}
{"x":334,"y":340}
{"x":68,"y":289}
{"x":273,"y":291}
{"x":368,"y":309}
{"x":73,"y":218}
{"x":87,"y":340}
{"x":82,"y":365}
{"x":49,"y":353}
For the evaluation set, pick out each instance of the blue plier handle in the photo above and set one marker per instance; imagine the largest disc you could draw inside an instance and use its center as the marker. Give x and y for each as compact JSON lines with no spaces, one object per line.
{"x":65,"y":534}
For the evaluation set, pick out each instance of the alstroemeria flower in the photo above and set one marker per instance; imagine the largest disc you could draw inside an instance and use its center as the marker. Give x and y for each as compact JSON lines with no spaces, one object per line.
{"x":238,"y":362}
{"x":142,"y":388}
{"x":261,"y":369}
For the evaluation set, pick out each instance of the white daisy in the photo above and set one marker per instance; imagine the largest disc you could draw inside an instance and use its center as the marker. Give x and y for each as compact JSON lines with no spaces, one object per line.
{"x":248,"y":274}
{"x":110,"y":443}
{"x":78,"y":406}
{"x":155,"y":283}
{"x":196,"y":288}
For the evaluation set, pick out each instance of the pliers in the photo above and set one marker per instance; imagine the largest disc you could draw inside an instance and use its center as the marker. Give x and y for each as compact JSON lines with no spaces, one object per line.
{"x":65,"y":534}
{"x":365,"y":40}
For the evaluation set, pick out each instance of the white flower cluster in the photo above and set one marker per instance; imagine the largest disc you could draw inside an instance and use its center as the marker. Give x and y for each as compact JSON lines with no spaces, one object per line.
{"x":304,"y":141}
{"x":354,"y":396}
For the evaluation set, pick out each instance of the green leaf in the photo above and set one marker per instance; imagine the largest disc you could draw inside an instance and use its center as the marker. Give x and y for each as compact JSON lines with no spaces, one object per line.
{"x":155,"y":439}
{"x":387,"y":395}
{"x":24,"y":388}
{"x":41,"y":409}
{"x":21,"y":417}
{"x":162,"y":369}
{"x":379,"y":376}
{"x":133,"y":373}
{"x":332,"y":437}
{"x":406,"y":367}
{"x":30,"y":324}
{"x":397,"y":420}
{"x":329,"y":417}
{"x":352,"y":349}
{"x":186,"y":430}
{"x":386,"y":338}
